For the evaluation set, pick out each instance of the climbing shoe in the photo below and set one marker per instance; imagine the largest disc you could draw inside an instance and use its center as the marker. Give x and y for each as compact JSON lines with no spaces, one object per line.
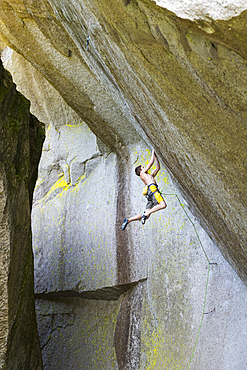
{"x":143,"y":219}
{"x":125,"y":223}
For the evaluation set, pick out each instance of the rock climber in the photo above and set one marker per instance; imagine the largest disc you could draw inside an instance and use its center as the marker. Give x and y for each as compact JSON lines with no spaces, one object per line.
{"x":155,"y":200}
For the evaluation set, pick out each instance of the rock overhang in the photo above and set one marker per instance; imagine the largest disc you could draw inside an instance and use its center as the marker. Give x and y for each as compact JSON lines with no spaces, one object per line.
{"x":179,"y":84}
{"x":198,"y":9}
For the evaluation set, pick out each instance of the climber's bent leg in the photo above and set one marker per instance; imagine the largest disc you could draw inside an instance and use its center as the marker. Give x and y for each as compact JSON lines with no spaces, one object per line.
{"x":157,"y":207}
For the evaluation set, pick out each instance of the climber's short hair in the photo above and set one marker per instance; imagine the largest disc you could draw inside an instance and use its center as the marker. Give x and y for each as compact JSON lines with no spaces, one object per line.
{"x":138,"y":170}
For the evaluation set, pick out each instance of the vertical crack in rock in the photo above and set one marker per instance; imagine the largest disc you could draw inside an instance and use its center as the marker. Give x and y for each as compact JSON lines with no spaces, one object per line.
{"x":122,"y":240}
{"x":127,"y":338}
{"x":36,"y":135}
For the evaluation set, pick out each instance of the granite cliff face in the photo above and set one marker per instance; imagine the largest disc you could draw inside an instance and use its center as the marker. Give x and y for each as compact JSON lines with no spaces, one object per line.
{"x":111,"y":79}
{"x":21,"y":138}
{"x":180,"y":84}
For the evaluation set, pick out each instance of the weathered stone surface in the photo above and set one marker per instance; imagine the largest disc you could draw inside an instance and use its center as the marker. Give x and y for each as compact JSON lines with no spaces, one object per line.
{"x":146,"y":78}
{"x":179,"y":83}
{"x":77,"y":334}
{"x":207,"y":10}
{"x":156,"y":326}
{"x":21,"y":138}
{"x":152,"y":323}
{"x":128,"y":330}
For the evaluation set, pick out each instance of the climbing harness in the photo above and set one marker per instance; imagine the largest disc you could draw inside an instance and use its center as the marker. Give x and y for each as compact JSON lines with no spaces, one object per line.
{"x":153,"y":192}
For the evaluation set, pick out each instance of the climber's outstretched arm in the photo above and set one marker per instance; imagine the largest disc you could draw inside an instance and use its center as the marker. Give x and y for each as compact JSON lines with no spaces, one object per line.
{"x":157,"y":164}
{"x":145,"y":169}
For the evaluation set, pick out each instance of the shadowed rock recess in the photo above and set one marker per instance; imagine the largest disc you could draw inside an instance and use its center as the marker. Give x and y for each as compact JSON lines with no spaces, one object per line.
{"x":21,"y":139}
{"x":111,"y":79}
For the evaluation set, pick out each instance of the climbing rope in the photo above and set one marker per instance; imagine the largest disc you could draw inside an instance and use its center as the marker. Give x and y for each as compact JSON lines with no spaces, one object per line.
{"x":209,"y":264}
